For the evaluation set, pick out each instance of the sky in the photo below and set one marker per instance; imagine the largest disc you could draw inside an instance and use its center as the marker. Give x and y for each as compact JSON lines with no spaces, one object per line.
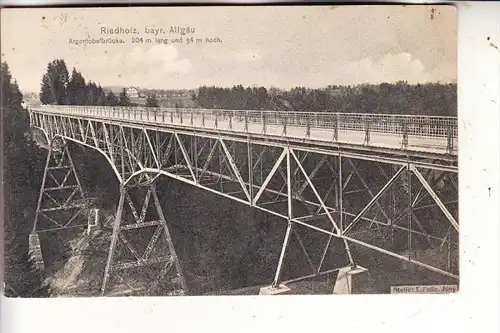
{"x":283,"y":47}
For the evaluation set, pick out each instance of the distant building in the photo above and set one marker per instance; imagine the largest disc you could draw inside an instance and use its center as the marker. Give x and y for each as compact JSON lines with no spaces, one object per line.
{"x":133,"y":92}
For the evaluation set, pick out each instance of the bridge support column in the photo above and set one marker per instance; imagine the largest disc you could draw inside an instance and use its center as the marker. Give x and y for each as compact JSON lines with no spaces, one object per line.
{"x":343,"y":283}
{"x":303,"y":246}
{"x":61,"y":202}
{"x":141,"y":258}
{"x":345,"y":277}
{"x":276,"y":288}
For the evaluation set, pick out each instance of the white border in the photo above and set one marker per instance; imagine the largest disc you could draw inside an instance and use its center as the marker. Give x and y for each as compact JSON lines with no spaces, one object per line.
{"x":474,"y":308}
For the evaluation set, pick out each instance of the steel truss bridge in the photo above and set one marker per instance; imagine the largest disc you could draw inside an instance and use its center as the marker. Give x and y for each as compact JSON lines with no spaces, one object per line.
{"x":386,"y":182}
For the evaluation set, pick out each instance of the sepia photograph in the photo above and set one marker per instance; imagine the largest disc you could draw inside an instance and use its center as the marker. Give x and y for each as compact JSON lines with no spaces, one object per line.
{"x":230,"y":150}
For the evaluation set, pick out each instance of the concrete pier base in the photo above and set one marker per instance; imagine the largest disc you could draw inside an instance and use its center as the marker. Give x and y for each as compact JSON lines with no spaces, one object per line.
{"x":345,"y":277}
{"x":270,"y":290}
{"x":35,"y":252}
{"x":93,"y":221}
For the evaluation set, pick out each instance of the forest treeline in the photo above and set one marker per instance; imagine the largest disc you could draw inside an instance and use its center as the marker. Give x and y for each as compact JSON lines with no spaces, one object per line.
{"x":58,"y":87}
{"x":398,"y":98}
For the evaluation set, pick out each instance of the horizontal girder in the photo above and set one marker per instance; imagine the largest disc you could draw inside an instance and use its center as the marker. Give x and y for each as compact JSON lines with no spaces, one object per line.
{"x":418,"y":135}
{"x":397,"y":156}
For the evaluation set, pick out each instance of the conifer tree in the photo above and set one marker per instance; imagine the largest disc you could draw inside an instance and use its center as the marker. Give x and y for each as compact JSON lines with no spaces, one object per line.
{"x":77,"y":89}
{"x":111,"y":99}
{"x":101,"y":96}
{"x":54,"y":83}
{"x":47,"y":95}
{"x":152,"y":101}
{"x":22,"y":162}
{"x":124,"y":100}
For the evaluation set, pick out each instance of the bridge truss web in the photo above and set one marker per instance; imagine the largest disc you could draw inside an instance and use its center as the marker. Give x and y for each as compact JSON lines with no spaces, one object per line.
{"x":405,"y":207}
{"x":61,"y":202}
{"x":158,"y":259}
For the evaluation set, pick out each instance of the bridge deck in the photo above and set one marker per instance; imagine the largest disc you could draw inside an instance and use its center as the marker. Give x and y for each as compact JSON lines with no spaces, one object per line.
{"x":437,"y":135}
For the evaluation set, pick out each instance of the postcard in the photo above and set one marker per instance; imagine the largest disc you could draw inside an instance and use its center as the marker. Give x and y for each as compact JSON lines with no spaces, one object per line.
{"x":263,"y":150}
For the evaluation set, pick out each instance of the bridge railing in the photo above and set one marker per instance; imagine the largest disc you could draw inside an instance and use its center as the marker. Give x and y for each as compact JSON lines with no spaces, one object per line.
{"x":425,"y":126}
{"x":403,"y":128}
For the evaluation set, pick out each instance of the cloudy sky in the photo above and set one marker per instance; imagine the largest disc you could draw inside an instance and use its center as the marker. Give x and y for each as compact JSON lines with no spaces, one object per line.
{"x":269,"y":46}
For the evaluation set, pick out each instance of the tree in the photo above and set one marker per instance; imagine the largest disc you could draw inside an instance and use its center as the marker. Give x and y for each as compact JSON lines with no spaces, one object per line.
{"x":60,"y":79}
{"x":47,"y":95}
{"x":152,"y":101}
{"x":123,"y":99}
{"x":14,"y":119}
{"x":111,"y":99}
{"x":101,"y":96}
{"x":77,"y":89}
{"x":92,"y":94}
{"x":54,"y":83}
{"x":22,"y":161}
